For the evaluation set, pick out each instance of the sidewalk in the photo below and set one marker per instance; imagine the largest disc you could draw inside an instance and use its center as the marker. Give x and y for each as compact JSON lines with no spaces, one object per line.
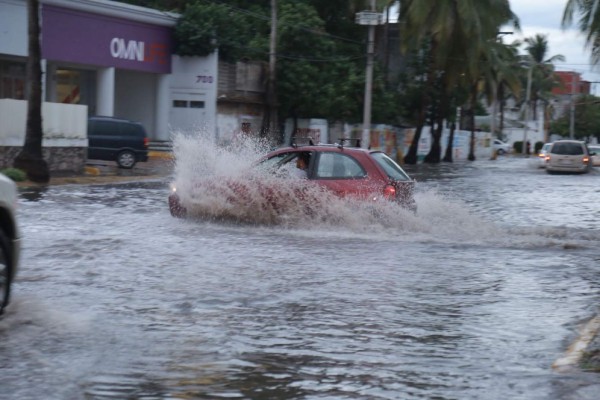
{"x":159,"y":165}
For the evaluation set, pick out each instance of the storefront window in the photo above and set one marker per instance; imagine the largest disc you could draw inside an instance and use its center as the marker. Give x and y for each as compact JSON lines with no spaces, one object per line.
{"x":68,"y":86}
{"x":12,"y":80}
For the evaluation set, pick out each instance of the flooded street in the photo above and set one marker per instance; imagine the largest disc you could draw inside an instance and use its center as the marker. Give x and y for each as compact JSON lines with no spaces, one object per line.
{"x":474,"y":297}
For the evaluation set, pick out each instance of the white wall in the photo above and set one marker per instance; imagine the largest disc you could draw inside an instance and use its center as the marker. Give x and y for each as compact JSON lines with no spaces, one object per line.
{"x":13,"y":27}
{"x":63,"y":124}
{"x":194,"y":79}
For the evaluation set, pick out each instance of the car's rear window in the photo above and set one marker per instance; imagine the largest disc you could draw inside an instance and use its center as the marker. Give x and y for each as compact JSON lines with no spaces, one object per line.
{"x":391,"y":168}
{"x":570,"y":149}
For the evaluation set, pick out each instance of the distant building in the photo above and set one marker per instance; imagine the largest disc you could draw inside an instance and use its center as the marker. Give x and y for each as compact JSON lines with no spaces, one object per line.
{"x":102,"y":57}
{"x":571,"y":83}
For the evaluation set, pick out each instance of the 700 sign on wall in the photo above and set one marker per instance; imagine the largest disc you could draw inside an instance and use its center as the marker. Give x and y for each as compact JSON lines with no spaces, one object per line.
{"x":204,"y":79}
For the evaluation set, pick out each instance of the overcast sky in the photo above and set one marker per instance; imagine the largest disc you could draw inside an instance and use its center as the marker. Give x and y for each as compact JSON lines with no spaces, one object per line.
{"x":544,"y":17}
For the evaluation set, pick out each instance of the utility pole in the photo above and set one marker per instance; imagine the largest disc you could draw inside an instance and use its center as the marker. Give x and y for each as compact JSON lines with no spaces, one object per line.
{"x":572,"y":116}
{"x":370,"y":18}
{"x":527,"y":106}
{"x":273,"y":123}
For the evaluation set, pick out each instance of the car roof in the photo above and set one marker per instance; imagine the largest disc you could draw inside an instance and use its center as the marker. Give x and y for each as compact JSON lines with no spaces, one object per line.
{"x":568,"y":141}
{"x":323,"y":147}
{"x":116,"y":119}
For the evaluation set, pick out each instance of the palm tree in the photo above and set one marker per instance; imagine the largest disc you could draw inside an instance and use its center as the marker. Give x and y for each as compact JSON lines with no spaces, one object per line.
{"x":544,"y":78}
{"x":30,"y":157}
{"x":458,"y":34}
{"x":589,"y":23}
{"x":502,"y":80}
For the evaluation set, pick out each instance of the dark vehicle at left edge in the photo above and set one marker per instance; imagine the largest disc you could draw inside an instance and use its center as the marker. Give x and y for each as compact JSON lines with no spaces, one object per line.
{"x":9,"y":238}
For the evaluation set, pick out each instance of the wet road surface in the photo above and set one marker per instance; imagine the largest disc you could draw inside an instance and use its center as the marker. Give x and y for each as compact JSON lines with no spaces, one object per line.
{"x":474,"y":297}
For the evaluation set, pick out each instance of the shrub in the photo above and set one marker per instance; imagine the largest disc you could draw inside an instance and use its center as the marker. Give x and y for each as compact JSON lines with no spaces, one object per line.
{"x":15,"y":174}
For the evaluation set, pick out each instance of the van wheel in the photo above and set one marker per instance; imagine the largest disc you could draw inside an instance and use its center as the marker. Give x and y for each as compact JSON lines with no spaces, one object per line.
{"x":126,"y":159}
{"x":5,"y":261}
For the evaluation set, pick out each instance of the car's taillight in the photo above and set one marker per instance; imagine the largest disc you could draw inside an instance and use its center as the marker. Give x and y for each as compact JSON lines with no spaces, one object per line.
{"x":146,"y":141}
{"x":389,"y":192}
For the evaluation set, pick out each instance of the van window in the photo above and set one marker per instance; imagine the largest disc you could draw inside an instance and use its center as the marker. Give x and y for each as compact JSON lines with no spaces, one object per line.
{"x":132,"y":130}
{"x":105,"y":128}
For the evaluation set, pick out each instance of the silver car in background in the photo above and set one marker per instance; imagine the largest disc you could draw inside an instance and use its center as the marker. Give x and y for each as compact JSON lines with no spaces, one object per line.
{"x":9,"y":238}
{"x":543,"y":154}
{"x":595,"y":153}
{"x":568,"y":156}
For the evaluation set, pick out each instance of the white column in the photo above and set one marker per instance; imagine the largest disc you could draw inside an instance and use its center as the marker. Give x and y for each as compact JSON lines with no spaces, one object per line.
{"x":161,"y":118}
{"x":105,"y":98}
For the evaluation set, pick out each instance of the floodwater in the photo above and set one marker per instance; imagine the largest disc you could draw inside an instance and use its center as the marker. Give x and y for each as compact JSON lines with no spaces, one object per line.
{"x":474,"y":297}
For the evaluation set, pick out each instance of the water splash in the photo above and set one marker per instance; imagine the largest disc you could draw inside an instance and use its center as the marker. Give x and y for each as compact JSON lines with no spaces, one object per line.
{"x":223,"y":184}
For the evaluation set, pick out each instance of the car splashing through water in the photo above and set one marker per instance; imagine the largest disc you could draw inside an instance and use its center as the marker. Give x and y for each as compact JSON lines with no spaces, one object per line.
{"x":226,"y":183}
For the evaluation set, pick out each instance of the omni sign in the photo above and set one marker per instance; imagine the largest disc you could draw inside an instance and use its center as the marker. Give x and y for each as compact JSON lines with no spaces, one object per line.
{"x":131,"y":50}
{"x":138,"y":51}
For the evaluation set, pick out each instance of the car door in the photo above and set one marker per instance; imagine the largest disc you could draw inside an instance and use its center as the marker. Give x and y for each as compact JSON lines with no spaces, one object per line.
{"x":101,"y":139}
{"x":341,"y":173}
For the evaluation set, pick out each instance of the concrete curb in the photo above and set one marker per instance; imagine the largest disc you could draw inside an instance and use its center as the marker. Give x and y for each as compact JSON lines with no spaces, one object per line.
{"x":160,"y":154}
{"x":580,"y":346}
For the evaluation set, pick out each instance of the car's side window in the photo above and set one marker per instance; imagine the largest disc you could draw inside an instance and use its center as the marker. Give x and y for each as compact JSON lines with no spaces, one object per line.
{"x":338,"y":166}
{"x":106,"y":128}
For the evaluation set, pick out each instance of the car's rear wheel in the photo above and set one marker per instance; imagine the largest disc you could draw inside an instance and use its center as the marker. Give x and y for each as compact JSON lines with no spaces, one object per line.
{"x":126,"y":159}
{"x":5,"y":265}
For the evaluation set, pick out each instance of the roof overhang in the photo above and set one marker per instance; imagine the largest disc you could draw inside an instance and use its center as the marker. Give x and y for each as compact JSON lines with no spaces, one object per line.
{"x":120,"y":10}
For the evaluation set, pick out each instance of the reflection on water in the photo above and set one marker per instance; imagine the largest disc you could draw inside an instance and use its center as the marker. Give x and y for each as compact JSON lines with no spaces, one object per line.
{"x":473,"y":297}
{"x":33,"y":193}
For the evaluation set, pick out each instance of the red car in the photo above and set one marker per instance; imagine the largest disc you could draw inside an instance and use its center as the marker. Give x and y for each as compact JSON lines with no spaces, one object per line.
{"x":336,"y":169}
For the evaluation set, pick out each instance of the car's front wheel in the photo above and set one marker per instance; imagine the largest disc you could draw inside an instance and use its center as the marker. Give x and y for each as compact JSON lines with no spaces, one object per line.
{"x":126,"y":159}
{"x":500,"y":152}
{"x":5,"y":263}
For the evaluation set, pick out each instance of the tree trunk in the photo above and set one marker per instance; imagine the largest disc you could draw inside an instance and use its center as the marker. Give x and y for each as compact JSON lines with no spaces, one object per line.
{"x":435,"y":153}
{"x":502,"y":103}
{"x":30,"y":157}
{"x":471,"y":156}
{"x":411,"y":156}
{"x":448,"y":155}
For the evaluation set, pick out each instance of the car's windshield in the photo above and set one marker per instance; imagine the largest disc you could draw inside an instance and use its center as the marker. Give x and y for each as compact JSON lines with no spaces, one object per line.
{"x":391,"y":168}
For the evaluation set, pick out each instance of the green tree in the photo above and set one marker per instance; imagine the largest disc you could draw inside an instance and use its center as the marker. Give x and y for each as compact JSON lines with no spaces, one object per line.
{"x":30,"y":158}
{"x":457,"y":36}
{"x":587,"y":119}
{"x":502,"y":79}
{"x":587,"y":13}
{"x":543,"y":77}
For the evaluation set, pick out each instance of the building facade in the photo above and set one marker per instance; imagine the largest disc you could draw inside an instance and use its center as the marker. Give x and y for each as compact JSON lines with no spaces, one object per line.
{"x":103,"y":58}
